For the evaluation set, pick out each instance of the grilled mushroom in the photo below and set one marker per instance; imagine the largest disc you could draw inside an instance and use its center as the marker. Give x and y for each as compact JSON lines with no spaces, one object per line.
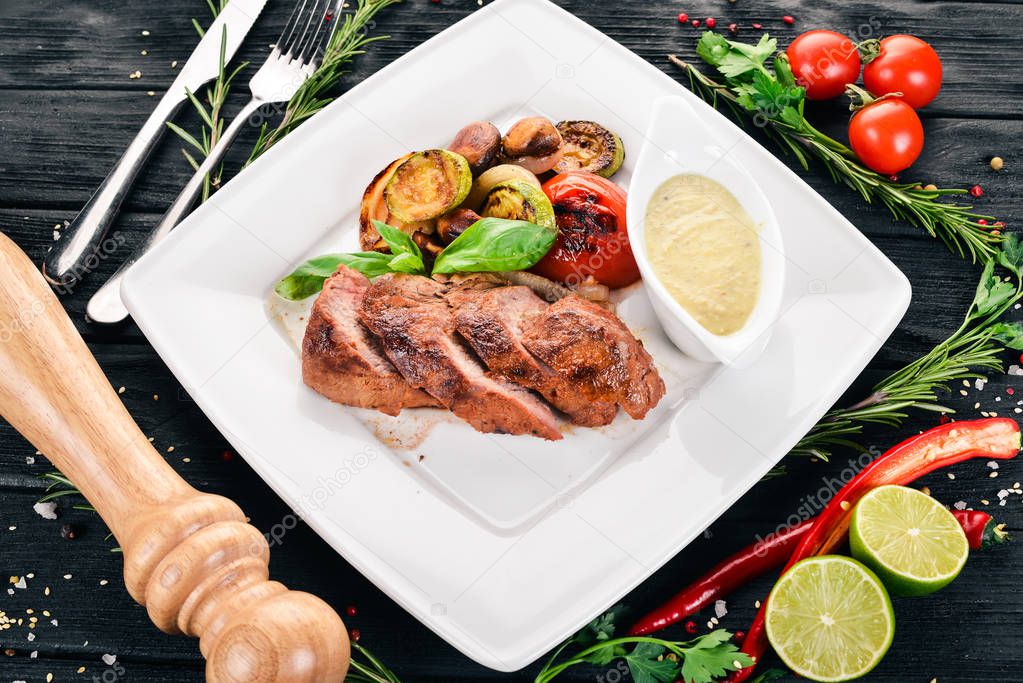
{"x":480,"y":143}
{"x":533,"y":143}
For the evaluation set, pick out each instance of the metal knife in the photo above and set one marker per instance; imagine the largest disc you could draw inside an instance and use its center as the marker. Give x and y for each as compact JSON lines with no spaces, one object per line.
{"x":71,"y":257}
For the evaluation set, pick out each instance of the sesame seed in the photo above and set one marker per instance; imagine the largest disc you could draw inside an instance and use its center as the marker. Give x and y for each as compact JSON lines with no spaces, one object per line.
{"x":120,"y":390}
{"x":145,"y":33}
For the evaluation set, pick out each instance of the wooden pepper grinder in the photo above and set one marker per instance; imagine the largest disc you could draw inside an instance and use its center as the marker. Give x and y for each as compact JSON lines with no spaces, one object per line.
{"x":189,"y":557}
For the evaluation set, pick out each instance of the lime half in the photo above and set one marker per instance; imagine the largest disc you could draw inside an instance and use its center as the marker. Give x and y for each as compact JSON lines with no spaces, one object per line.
{"x":913,"y":543}
{"x":829,"y":618}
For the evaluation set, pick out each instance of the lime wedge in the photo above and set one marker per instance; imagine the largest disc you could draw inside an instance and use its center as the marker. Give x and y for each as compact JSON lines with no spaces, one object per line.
{"x":909,"y":539}
{"x":829,"y":618}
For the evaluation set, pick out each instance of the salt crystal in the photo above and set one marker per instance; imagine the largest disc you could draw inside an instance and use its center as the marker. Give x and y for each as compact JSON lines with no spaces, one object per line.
{"x":30,"y":460}
{"x":1003,"y":494}
{"x":46,"y":510}
{"x":960,"y":505}
{"x":720,"y":609}
{"x":109,"y":659}
{"x":993,"y":464}
{"x":21,"y":583}
{"x":33,"y":654}
{"x":31,"y":637}
{"x":1015,"y":370}
{"x":979,"y":384}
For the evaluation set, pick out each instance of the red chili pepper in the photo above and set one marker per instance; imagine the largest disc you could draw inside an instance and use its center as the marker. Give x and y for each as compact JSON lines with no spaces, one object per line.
{"x":981,"y":530}
{"x":770,"y":553}
{"x":723,"y":578}
{"x":942,"y":446}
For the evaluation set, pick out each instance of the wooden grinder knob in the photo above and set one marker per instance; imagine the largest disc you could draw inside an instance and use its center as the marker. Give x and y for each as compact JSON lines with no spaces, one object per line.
{"x":189,"y":557}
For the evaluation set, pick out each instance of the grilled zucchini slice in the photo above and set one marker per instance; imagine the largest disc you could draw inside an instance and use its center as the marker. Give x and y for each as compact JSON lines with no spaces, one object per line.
{"x":519,"y":200}
{"x":428,"y":184}
{"x":373,"y":207}
{"x":589,"y":147}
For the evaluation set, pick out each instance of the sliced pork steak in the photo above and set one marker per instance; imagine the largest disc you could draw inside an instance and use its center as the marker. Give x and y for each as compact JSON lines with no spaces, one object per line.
{"x":343,"y":361}
{"x":416,"y":326}
{"x":492,"y":321}
{"x":597,"y":352}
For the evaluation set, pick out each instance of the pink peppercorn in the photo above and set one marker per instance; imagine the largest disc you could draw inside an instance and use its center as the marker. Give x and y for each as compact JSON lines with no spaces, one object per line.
{"x":711,"y":22}
{"x":683,"y":17}
{"x":788,"y":20}
{"x":977,"y":191}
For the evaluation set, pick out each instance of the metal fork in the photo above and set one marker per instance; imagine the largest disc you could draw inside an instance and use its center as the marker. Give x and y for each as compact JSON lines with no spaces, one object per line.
{"x":292,"y":61}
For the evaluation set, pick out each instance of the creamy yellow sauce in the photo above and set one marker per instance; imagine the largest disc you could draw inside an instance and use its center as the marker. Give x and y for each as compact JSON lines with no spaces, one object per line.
{"x":705,"y":250}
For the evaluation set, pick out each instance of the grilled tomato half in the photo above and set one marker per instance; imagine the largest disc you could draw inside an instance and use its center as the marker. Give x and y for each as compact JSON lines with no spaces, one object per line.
{"x":592,"y":237}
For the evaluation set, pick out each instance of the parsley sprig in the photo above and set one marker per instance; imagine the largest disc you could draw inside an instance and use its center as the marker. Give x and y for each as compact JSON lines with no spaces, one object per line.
{"x":771,"y":96}
{"x":649,"y":659}
{"x":968,"y":353}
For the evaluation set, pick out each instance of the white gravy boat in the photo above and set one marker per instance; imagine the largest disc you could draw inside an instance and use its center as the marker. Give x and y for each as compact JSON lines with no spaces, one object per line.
{"x":677,"y":142}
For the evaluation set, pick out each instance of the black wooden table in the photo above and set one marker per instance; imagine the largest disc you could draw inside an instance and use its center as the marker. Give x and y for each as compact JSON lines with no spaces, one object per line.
{"x":67,"y":111}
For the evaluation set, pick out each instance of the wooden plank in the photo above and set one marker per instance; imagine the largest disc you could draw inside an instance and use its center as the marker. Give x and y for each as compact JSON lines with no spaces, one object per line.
{"x":98,"y":43}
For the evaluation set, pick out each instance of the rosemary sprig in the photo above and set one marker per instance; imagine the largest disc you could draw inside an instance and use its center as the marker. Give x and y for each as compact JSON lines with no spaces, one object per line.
{"x":773,"y":99}
{"x":370,"y":671}
{"x":968,"y":353}
{"x":348,"y":41}
{"x":210,"y":112}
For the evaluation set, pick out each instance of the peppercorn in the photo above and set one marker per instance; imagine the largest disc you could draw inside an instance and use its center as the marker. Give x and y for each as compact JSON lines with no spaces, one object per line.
{"x":930,"y":187}
{"x":67,"y":532}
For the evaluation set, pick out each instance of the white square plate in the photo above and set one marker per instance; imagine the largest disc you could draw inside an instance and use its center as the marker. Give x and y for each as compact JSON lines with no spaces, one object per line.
{"x":502,"y":545}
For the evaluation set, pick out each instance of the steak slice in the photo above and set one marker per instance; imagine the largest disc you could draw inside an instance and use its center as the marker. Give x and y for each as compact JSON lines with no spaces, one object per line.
{"x":492,"y":321}
{"x":597,"y":352}
{"x":343,"y":361}
{"x":416,"y":326}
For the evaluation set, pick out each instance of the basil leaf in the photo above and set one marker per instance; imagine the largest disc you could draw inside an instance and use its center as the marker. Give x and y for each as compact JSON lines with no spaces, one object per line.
{"x":308,"y":278}
{"x":401,"y":243}
{"x":369,"y":263}
{"x":496,"y":244}
{"x":406,"y":263}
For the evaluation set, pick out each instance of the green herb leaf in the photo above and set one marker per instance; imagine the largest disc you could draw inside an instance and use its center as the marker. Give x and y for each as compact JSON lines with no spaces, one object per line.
{"x":992,"y":291}
{"x":369,"y":263}
{"x":408,"y":257}
{"x":496,"y":244}
{"x":1010,"y":335}
{"x":1010,"y":256}
{"x":308,"y":278}
{"x":712,"y":656}
{"x":600,"y":629}
{"x":645,"y":666}
{"x":732,"y":59}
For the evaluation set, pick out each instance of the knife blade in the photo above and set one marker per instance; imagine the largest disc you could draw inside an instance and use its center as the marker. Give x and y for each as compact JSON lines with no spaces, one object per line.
{"x":75,"y":254}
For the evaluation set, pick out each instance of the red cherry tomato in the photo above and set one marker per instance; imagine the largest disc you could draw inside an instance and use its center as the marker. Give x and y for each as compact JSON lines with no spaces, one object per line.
{"x":823,"y":62}
{"x":907,"y":65}
{"x":887,"y":135}
{"x":592,"y":235}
